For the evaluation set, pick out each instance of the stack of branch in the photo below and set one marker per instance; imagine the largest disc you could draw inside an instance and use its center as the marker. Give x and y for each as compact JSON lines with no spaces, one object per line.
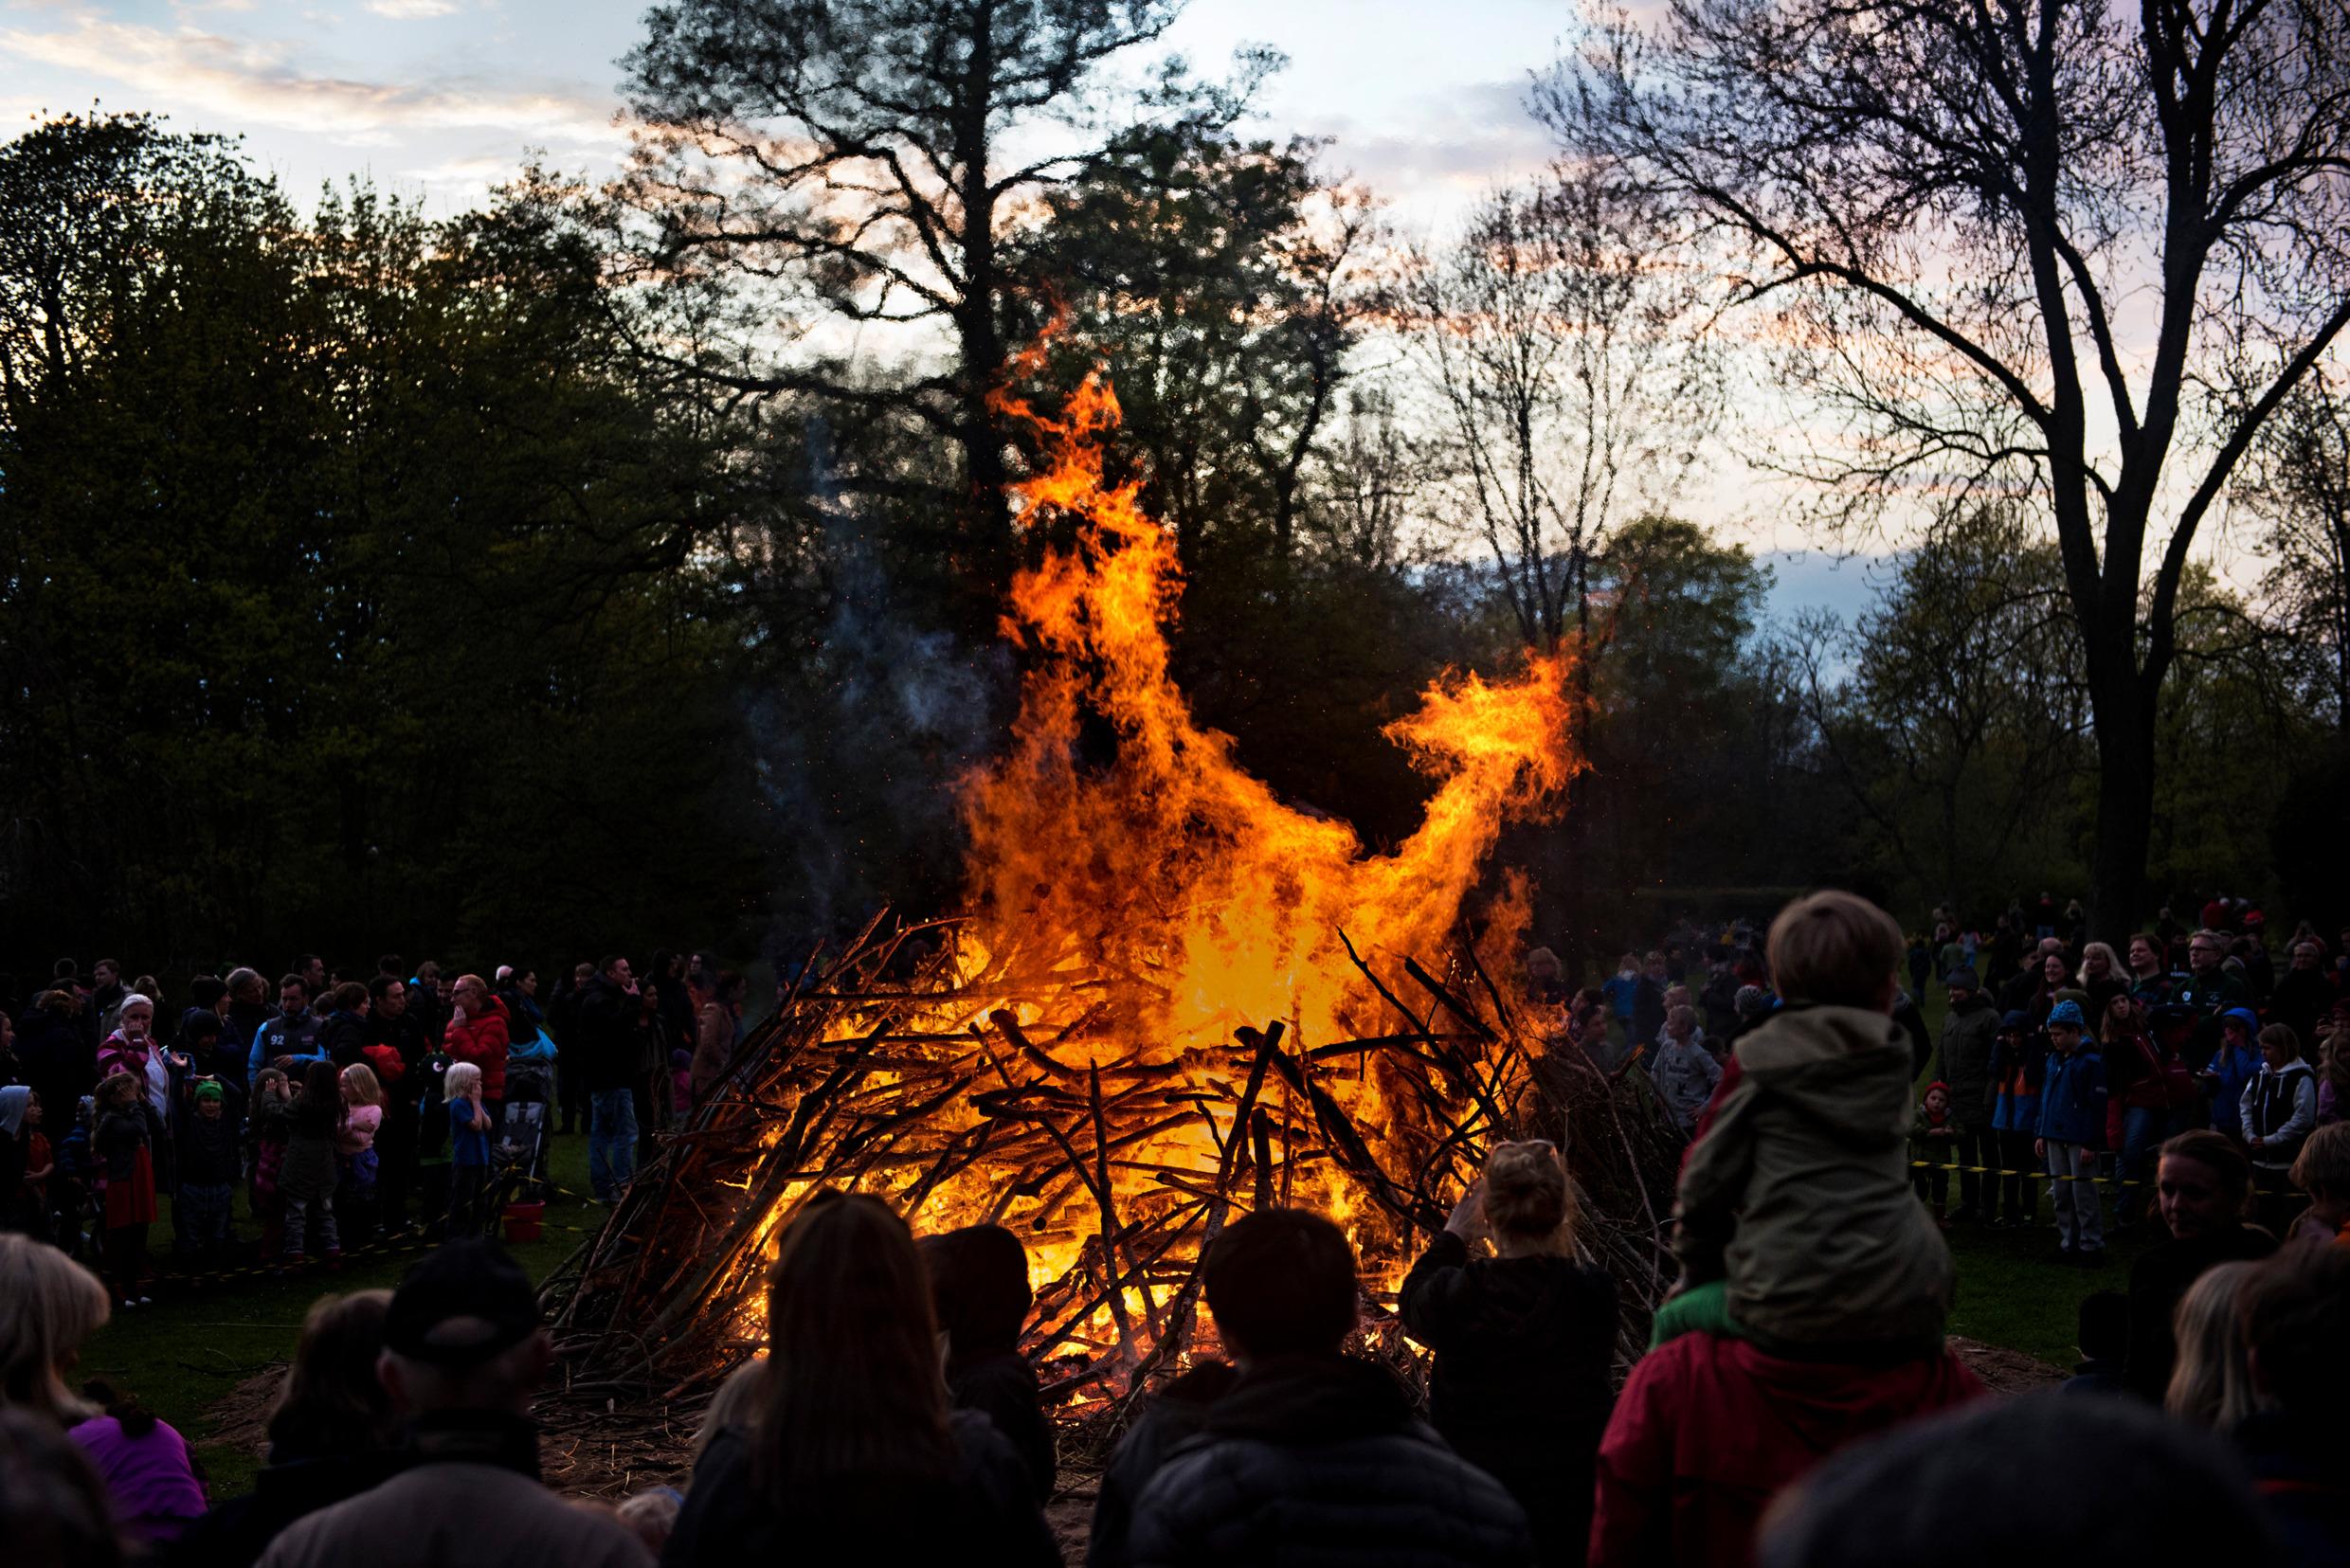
{"x":1126,"y":1156}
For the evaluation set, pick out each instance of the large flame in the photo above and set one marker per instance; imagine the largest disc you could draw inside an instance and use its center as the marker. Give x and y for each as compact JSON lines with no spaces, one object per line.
{"x":1171,"y":866}
{"x":1136,"y":897}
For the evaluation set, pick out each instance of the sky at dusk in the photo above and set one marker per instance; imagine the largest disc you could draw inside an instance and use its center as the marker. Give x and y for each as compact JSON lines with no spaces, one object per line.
{"x":438,"y":100}
{"x":442,"y":97}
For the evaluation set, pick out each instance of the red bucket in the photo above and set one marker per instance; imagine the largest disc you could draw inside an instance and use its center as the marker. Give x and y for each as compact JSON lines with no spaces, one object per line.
{"x":523,"y":1221}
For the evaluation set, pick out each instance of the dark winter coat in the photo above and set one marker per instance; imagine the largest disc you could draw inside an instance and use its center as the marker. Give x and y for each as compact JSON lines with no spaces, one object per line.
{"x":235,"y":1534}
{"x":343,"y":1036}
{"x":209,"y":1149}
{"x":1968,"y":1034}
{"x":1520,"y":1388}
{"x":56,"y":1060}
{"x":2158,"y":1281}
{"x":1174,"y":1416}
{"x":984,"y":1518}
{"x":1003,"y":1387}
{"x":1318,"y":1459}
{"x":2072,"y":1097}
{"x":611,"y":1035}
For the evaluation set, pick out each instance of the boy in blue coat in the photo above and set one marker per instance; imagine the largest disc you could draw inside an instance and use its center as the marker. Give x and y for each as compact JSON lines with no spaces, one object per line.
{"x":2073,"y":1133}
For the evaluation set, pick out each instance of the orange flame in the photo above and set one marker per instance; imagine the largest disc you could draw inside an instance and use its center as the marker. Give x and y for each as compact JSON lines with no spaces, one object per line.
{"x":1165,"y":896}
{"x":1173,"y":866}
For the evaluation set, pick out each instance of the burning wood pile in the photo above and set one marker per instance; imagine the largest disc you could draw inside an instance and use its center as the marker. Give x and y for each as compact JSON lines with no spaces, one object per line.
{"x":1115,"y":1159}
{"x":1176,"y":997}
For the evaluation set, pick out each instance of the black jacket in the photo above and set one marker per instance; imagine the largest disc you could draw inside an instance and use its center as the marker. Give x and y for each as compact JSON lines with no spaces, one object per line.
{"x":611,"y":1035}
{"x":985,"y":1517}
{"x":209,"y":1149}
{"x":343,"y":1035}
{"x":1318,"y":1459}
{"x":57,"y":1063}
{"x":1520,"y":1387}
{"x":2158,"y":1282}
{"x":235,"y":1534}
{"x":1175,"y":1415}
{"x":1003,"y":1387}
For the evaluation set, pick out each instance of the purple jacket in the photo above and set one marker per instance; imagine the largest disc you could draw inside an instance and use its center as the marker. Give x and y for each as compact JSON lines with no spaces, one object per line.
{"x":155,"y":1489}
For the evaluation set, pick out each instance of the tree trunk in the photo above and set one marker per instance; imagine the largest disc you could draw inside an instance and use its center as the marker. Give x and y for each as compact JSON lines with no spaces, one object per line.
{"x":2124,"y":724}
{"x":987,"y":513}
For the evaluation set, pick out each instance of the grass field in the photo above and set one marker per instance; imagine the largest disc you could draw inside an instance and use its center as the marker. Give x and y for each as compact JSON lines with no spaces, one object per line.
{"x":203,"y":1339}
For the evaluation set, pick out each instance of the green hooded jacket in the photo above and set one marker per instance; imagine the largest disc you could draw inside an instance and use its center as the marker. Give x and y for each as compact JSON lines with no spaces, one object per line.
{"x":1798,"y":1194}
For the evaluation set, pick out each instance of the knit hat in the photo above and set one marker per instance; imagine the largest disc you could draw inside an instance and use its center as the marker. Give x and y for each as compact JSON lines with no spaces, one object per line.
{"x":2068,"y":1012}
{"x":1753,"y":1001}
{"x":1938,"y":1083}
{"x":211,"y":1092}
{"x":1962,"y":979}
{"x":2015,"y":1019}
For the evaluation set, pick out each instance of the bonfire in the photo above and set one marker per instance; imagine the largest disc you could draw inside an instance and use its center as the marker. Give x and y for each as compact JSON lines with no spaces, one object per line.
{"x":1174,"y":998}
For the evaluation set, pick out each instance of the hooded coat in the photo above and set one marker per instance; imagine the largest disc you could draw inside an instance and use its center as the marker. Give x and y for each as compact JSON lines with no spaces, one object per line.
{"x":1318,"y":1459}
{"x":1798,"y":1194}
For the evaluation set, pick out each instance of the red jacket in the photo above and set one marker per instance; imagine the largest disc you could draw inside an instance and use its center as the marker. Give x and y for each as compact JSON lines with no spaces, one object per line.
{"x":1709,"y":1429}
{"x":481,"y":1040}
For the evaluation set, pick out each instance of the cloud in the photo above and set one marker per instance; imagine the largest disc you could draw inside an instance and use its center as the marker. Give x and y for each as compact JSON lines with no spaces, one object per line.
{"x":252,"y":82}
{"x":412,"y":10}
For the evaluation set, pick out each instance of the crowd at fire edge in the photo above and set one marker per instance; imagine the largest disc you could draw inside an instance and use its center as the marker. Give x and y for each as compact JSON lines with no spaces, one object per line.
{"x":1799,"y":1403}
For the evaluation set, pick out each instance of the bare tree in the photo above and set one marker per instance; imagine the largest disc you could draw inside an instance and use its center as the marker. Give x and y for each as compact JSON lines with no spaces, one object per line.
{"x":1563,"y":338}
{"x":2052,"y":247}
{"x":870,"y":163}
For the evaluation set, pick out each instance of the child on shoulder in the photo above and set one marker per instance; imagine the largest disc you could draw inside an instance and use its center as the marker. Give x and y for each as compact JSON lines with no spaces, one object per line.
{"x":1795,"y":1225}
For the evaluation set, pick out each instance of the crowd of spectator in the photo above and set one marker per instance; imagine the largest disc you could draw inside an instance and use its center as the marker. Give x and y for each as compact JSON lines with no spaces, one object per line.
{"x":349,"y":1109}
{"x":1799,"y":1402}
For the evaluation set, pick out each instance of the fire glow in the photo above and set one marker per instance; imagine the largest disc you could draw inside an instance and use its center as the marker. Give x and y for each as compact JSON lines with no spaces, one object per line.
{"x":1174,"y":998}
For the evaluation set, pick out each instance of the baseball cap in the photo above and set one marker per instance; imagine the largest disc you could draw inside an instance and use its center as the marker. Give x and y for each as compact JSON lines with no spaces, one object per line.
{"x":462,"y":1304}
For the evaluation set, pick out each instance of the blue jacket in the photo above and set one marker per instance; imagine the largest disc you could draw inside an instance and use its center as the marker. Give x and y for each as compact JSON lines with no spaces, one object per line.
{"x":279,"y":1036}
{"x":2072,"y":1097}
{"x":2234,"y":1070}
{"x":469,"y":1136}
{"x":2016,"y":1080}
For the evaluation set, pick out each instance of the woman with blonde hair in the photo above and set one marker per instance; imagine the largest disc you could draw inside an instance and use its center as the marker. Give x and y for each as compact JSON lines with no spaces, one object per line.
{"x":48,"y":1306}
{"x":1523,"y":1339}
{"x":2211,"y":1381}
{"x":2101,"y":976}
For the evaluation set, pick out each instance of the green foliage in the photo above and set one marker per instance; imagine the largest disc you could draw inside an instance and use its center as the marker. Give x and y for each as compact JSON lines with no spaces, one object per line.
{"x":353,"y":592}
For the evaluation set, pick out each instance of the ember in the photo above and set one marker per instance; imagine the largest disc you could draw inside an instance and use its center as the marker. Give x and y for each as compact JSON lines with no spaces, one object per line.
{"x":1176,"y":997}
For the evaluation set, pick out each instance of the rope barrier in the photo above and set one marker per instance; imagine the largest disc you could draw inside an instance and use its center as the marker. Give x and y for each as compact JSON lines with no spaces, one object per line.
{"x":2035,"y":1175}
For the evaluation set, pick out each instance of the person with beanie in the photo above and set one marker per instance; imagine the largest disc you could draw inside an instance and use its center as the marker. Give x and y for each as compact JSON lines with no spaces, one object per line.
{"x":1932,"y":1137}
{"x":2073,"y":1133}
